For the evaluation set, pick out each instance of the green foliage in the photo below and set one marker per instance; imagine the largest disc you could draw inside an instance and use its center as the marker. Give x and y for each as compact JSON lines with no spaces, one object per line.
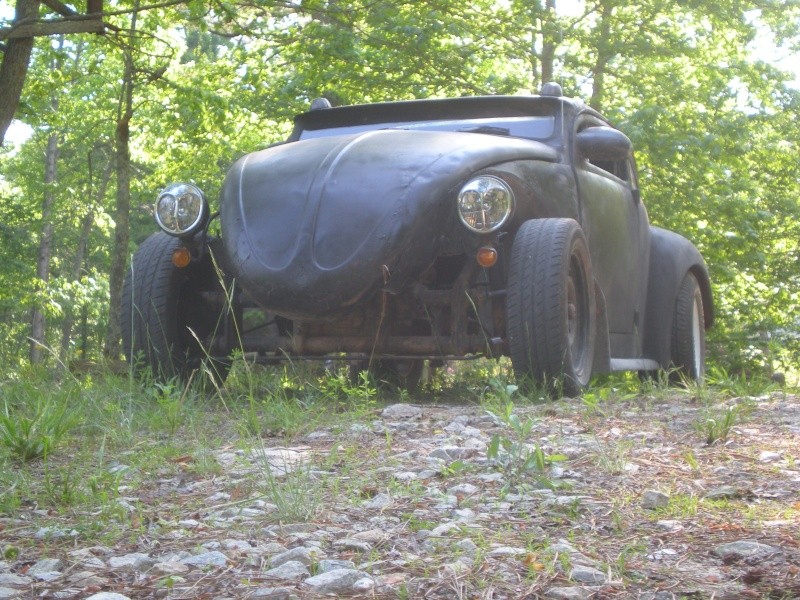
{"x":293,"y":399}
{"x":738,"y":385}
{"x":714,"y":127}
{"x":717,"y":424}
{"x":520,"y":461}
{"x":294,"y":490}
{"x":34,"y":419}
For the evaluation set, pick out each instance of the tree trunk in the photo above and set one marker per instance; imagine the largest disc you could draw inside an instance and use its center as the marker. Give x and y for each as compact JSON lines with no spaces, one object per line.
{"x":119,"y":258}
{"x":38,"y":323}
{"x":16,"y":57}
{"x":604,"y":51}
{"x":549,"y":40}
{"x":79,"y":260}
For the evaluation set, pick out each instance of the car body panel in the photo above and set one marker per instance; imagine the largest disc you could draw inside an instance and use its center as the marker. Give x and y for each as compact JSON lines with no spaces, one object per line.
{"x":347,"y":240}
{"x":312,"y":227}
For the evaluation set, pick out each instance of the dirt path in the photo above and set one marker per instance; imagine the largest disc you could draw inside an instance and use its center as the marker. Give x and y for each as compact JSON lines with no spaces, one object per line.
{"x":574,"y":499}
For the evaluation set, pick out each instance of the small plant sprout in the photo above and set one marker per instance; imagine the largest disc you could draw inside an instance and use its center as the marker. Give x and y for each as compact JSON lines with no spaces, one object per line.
{"x":514,"y":455}
{"x":718,"y":425}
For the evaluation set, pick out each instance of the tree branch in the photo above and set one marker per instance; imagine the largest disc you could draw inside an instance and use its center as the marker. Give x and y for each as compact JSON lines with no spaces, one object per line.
{"x":60,"y":26}
{"x":60,"y":8}
{"x":71,"y":23}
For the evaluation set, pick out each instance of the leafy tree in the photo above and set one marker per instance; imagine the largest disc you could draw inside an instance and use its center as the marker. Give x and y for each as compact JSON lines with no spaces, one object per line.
{"x":179,"y":91}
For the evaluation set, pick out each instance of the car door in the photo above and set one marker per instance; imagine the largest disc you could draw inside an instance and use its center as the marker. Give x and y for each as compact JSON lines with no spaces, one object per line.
{"x":615,"y":223}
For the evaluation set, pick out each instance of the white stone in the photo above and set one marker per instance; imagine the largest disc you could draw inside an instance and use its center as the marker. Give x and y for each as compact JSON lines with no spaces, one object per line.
{"x":301,"y":554}
{"x":373,"y":536}
{"x":293,"y":570}
{"x":402,"y":411}
{"x":569,"y":593}
{"x":583,"y":574}
{"x":767,"y":456}
{"x":744,"y":549}
{"x":86,"y":579}
{"x":466,"y":489}
{"x":273,"y":593}
{"x":364,"y":584}
{"x":338,"y":581}
{"x":12,"y":580}
{"x":46,"y":565}
{"x":467,"y":545}
{"x":237,"y":545}
{"x":508,"y":551}
{"x":444,"y":529}
{"x":170,"y":568}
{"x":136,"y":561}
{"x":652,"y":499}
{"x":213,"y":558}
{"x":379,"y":501}
{"x":326,"y":565}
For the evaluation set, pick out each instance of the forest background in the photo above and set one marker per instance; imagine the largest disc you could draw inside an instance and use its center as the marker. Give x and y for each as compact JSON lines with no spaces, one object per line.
{"x":178,"y":90}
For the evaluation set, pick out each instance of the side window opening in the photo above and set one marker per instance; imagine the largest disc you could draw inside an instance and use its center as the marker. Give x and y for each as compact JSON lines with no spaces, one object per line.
{"x":621,"y":169}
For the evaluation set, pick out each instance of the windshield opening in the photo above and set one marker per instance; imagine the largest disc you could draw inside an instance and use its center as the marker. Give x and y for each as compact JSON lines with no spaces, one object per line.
{"x":529,"y":127}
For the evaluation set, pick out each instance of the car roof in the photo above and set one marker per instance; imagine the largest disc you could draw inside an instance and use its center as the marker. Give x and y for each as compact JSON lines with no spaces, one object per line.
{"x":467,"y":107}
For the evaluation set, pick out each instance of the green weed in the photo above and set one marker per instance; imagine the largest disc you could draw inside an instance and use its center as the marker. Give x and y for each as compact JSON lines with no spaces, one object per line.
{"x":296,"y":495}
{"x":732,"y":385}
{"x":514,"y":455}
{"x":34,"y":420}
{"x":613,"y":457}
{"x":716,"y":425}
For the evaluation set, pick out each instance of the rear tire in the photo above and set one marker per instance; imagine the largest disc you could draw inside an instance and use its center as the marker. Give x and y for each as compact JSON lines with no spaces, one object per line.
{"x":550,"y":305}
{"x":688,"y":331}
{"x":164,"y":313}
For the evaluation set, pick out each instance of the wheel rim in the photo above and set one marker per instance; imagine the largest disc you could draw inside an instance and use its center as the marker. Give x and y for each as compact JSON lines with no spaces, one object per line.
{"x":697,"y":346}
{"x":577,"y":318}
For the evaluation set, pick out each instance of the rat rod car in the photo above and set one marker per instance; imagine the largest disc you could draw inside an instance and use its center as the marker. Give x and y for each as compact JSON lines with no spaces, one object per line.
{"x":393,"y":233}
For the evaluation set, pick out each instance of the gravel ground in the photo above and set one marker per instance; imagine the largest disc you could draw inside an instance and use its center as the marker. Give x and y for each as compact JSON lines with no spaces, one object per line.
{"x":572,"y":499}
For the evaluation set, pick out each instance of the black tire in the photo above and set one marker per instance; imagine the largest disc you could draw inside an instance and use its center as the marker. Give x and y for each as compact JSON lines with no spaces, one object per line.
{"x":689,"y":332}
{"x":550,"y":305}
{"x":164,"y":313}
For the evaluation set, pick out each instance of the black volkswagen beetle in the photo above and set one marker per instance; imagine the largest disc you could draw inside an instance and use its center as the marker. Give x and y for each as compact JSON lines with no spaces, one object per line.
{"x":393,"y":233}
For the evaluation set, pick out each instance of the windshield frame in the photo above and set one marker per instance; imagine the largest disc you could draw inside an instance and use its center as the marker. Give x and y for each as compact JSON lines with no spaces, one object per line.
{"x":437,"y":114}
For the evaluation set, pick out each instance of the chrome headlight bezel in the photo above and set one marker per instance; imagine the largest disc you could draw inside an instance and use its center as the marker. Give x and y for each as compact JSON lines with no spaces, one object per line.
{"x":189,"y":211}
{"x":496,"y":200}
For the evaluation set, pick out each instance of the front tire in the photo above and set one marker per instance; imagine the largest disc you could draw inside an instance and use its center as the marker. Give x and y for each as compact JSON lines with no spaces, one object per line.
{"x":550,"y":305}
{"x":688,"y":331}
{"x":167,"y":322}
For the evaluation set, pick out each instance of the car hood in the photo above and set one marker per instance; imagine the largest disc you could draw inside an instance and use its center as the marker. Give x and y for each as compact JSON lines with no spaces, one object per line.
{"x":311,"y":227}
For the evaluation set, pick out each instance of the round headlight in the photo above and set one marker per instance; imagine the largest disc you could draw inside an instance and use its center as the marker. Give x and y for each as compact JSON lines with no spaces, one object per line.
{"x":485,"y":203}
{"x":181,"y":209}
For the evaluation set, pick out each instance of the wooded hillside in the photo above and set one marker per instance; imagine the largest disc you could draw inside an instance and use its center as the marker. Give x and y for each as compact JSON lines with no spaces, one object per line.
{"x":177,"y":90}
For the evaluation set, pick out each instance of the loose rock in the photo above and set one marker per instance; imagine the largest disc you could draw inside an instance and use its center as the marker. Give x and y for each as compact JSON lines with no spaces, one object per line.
{"x":292,"y":569}
{"x":652,"y":499}
{"x":136,"y":561}
{"x":584,"y":574}
{"x":744,"y":549}
{"x":300,"y":554}
{"x":338,"y":581}
{"x":402,"y":411}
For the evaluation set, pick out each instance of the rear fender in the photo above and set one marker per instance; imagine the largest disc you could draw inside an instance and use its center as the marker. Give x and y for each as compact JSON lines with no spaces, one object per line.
{"x":672,"y":256}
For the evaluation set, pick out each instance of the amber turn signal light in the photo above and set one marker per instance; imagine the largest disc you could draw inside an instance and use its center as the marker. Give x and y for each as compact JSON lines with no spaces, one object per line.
{"x":181,"y":257}
{"x":486,"y":256}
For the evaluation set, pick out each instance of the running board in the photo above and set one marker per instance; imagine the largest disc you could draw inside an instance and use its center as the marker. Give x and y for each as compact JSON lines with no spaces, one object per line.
{"x":634,"y":364}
